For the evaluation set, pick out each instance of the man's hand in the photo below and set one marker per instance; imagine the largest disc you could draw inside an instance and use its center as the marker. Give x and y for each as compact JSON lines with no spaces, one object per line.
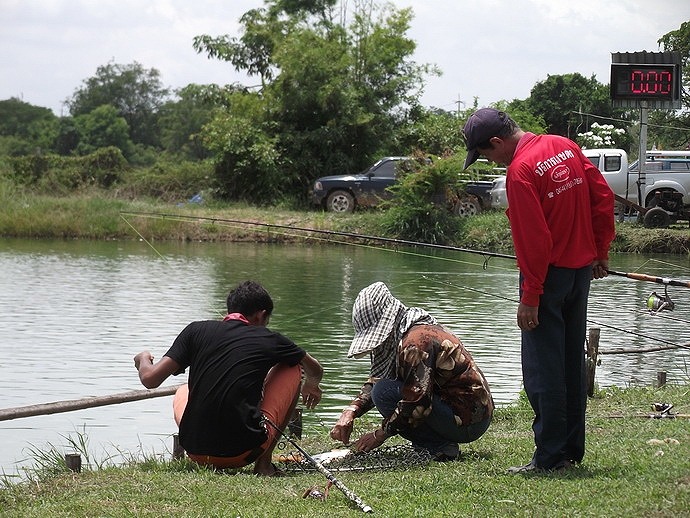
{"x":311,"y":394}
{"x":150,"y":375}
{"x":343,"y":428}
{"x":371,"y":440}
{"x":527,"y":317}
{"x":600,"y":269}
{"x":145,"y":356}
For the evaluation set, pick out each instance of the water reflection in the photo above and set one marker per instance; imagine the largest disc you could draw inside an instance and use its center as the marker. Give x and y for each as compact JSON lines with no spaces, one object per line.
{"x":74,"y":314}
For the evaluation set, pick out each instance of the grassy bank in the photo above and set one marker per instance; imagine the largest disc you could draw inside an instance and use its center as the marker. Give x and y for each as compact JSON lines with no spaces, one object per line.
{"x":635,"y":466}
{"x":98,"y":217}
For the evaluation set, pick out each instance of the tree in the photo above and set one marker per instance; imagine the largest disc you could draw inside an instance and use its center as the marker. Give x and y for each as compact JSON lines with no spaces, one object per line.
{"x":25,"y":128}
{"x":679,"y":41}
{"x":435,"y":132}
{"x":181,"y":122}
{"x":334,"y":93}
{"x":100,"y":128}
{"x":136,"y":93}
{"x":561,"y":100}
{"x":248,"y":164}
{"x":668,"y":129}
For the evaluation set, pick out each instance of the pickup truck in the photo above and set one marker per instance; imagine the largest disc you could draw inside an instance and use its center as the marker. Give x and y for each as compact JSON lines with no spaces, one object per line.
{"x":666,"y":190}
{"x":344,"y":193}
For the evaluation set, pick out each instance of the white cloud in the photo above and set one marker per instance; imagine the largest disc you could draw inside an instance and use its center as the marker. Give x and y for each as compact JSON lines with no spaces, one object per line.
{"x":493,"y":50}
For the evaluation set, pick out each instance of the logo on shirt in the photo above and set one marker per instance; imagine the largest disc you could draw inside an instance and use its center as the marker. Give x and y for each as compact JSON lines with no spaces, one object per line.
{"x":553,"y":162}
{"x":560,"y":173}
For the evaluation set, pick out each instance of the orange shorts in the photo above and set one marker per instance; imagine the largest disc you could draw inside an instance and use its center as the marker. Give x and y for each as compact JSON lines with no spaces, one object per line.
{"x":281,"y":388}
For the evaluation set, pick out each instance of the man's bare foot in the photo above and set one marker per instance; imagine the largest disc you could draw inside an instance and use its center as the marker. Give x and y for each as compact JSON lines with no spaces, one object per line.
{"x":271,"y":470}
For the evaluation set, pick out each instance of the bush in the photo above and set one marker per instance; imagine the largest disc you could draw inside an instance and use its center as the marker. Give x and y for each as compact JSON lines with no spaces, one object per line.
{"x":55,"y":173}
{"x":169,"y":180}
{"x":422,"y":203}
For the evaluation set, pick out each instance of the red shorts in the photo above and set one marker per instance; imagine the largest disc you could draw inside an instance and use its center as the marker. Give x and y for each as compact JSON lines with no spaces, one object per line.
{"x":281,"y":387}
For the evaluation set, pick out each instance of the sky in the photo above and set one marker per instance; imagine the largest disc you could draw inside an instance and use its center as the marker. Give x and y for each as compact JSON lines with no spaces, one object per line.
{"x":488,"y":50}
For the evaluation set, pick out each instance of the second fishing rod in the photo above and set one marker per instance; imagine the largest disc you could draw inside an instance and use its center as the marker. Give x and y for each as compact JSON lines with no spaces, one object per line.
{"x":394,"y":241}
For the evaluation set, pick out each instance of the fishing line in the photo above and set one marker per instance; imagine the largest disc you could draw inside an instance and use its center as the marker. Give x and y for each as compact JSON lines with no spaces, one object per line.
{"x":158,"y":253}
{"x":666,"y":263}
{"x":641,"y":335}
{"x":143,"y":238}
{"x":487,"y":255}
{"x":657,"y":314}
{"x":661,"y":340}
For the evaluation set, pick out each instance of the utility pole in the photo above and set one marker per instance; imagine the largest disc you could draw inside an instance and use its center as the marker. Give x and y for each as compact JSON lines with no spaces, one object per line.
{"x":460,"y":103}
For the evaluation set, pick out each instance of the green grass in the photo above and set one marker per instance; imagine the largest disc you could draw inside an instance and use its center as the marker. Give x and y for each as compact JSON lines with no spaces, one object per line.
{"x":98,"y":216}
{"x":623,"y":475}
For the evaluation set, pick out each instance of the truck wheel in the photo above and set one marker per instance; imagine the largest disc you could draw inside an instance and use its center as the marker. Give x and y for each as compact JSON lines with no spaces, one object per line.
{"x":656,"y":217}
{"x":467,"y":206}
{"x":669,"y":199}
{"x":340,"y":201}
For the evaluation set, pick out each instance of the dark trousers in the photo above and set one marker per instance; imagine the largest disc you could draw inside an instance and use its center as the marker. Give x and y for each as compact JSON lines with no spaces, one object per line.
{"x":438,"y":430}
{"x":553,"y":367}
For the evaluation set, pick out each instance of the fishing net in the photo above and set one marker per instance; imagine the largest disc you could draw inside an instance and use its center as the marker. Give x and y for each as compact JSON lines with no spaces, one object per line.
{"x":394,"y":457}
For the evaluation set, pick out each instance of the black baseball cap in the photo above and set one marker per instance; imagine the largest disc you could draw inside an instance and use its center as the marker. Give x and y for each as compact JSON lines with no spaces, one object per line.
{"x":480,"y":127}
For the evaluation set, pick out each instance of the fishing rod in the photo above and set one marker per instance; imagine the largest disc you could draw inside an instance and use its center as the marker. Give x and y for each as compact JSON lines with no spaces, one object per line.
{"x":395,"y":241}
{"x":324,"y":471}
{"x":382,"y":239}
{"x":651,"y":278}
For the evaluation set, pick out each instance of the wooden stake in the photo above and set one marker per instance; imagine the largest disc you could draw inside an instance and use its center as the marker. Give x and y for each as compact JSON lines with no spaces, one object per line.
{"x":73,"y":462}
{"x":661,"y":378}
{"x":592,"y":358}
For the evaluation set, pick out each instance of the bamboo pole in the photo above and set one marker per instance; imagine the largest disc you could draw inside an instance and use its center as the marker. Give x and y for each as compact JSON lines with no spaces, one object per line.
{"x":89,"y":402}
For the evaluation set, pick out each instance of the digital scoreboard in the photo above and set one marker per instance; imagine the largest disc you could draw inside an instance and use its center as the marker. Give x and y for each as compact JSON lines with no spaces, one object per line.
{"x":646,"y":79}
{"x":644,"y":82}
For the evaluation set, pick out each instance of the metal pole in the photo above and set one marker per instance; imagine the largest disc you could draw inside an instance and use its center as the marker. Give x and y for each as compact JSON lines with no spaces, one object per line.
{"x":641,"y":172}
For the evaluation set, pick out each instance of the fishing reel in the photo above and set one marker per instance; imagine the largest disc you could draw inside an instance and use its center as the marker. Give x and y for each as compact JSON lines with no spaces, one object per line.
{"x":656,"y":302}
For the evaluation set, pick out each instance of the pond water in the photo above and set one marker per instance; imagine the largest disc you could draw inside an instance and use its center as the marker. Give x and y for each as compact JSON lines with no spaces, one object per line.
{"x":74,"y":313}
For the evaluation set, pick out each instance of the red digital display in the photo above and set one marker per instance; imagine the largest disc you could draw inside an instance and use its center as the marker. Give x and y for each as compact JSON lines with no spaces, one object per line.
{"x":644,"y":82}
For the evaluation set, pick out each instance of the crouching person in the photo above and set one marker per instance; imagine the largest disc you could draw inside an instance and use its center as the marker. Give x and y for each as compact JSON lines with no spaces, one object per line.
{"x":240,"y":373}
{"x":423,"y":381}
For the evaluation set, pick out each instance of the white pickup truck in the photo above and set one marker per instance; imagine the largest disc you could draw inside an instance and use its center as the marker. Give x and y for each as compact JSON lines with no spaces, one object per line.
{"x":666,"y":191}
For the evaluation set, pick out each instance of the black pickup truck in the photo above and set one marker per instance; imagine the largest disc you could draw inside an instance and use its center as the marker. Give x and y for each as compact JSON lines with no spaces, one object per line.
{"x":344,"y":193}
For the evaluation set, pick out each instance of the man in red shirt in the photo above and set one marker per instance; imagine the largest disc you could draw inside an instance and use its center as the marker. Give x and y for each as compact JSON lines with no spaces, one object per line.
{"x":562,"y":223}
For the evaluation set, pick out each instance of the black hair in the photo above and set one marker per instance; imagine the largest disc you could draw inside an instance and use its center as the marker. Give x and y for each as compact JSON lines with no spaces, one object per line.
{"x":509,"y":127}
{"x":248,"y":298}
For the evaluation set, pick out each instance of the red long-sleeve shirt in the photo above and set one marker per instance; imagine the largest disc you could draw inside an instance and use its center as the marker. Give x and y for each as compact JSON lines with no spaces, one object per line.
{"x":560,"y":210}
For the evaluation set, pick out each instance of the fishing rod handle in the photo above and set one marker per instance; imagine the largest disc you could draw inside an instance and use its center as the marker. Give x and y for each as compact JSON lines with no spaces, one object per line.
{"x":324,"y":471}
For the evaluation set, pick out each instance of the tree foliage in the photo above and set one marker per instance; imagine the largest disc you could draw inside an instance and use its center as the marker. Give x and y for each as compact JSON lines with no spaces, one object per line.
{"x":24,"y":128}
{"x":561,"y":99}
{"x":136,"y":93}
{"x":334,"y":94}
{"x":671,"y":130}
{"x":181,"y":122}
{"x":102,"y":127}
{"x":679,"y":41}
{"x":435,"y":132}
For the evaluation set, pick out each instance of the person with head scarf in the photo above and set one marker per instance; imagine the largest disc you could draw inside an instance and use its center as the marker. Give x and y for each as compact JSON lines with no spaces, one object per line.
{"x":423,"y":381}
